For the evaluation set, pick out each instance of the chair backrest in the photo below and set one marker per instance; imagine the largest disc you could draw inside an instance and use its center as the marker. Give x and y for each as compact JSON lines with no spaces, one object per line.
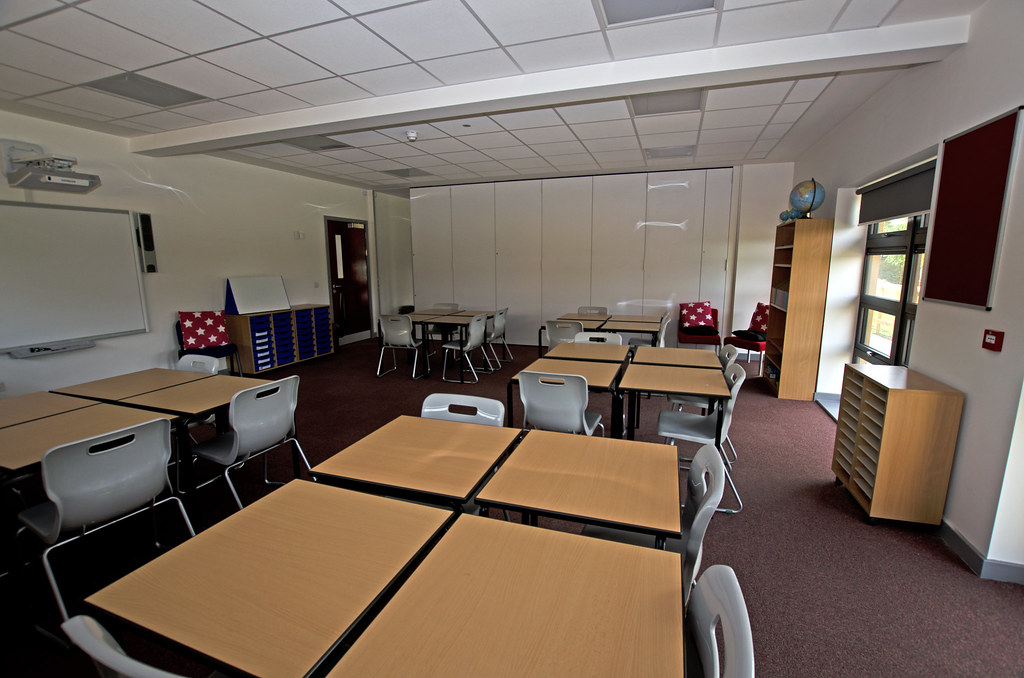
{"x":553,"y":402}
{"x":487,"y":410}
{"x":734,"y":376}
{"x":560,"y":331}
{"x":100,"y":478}
{"x":718,"y":600}
{"x":727,"y":355}
{"x":397,"y":331}
{"x":498,"y":329}
{"x":596,"y":310}
{"x":666,"y":318}
{"x":705,"y":484}
{"x":263,"y":416}
{"x":611,"y":338}
{"x":475,"y":332}
{"x":199,"y":363}
{"x":447,"y":306}
{"x":111,"y":661}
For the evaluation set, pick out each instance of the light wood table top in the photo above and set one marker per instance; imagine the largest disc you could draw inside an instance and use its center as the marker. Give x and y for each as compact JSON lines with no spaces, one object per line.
{"x":489,"y":314}
{"x":132,"y":384}
{"x":195,"y":397}
{"x":444,"y":459}
{"x":272,"y":588}
{"x":598,"y":374}
{"x":636,"y":318}
{"x":589,"y":351}
{"x":504,"y":600}
{"x":584,"y":316}
{"x":682,"y":380}
{"x":423,"y":316}
{"x":23,"y":445}
{"x":677,"y":357}
{"x":630,"y":326}
{"x":623,"y":483}
{"x":19,"y":409}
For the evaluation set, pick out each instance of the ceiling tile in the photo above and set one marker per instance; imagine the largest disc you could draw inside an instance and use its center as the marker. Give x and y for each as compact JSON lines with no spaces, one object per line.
{"x":167,"y":120}
{"x":475,"y":66}
{"x":182,"y":24}
{"x":720,"y":150}
{"x":362,"y":139}
{"x":466,"y":126}
{"x":135,"y":125}
{"x":790,"y":112}
{"x":576,"y":50}
{"x":510,"y":152}
{"x":382,"y":165}
{"x":266,"y":62}
{"x":483,"y":166}
{"x":608,"y":128}
{"x":607,"y":158}
{"x":269,"y":18}
{"x":716,"y":136}
{"x":526,"y":20}
{"x":432,"y":29}
{"x":663,"y":37}
{"x":612,"y":144}
{"x":328,"y":91}
{"x":274,"y":150}
{"x":464,"y":157}
{"x":576,"y":161}
{"x":808,"y":89}
{"x":405,"y":78}
{"x":393,"y":150}
{"x":202,"y":77}
{"x":213,"y":111}
{"x":595,"y":112}
{"x":448,"y":145}
{"x":351,"y":155}
{"x":267,"y":101}
{"x":747,"y":95}
{"x":60,"y":108}
{"x":738,"y":117}
{"x":97,"y":102}
{"x":668,"y":139}
{"x":739,"y":4}
{"x":673,"y":122}
{"x":864,"y":14}
{"x":773,"y":22}
{"x":534,"y":162}
{"x":490,"y":140}
{"x":18,"y":10}
{"x":343,"y":46}
{"x":922,"y":10}
{"x":36,"y":57}
{"x":424,"y":130}
{"x":312,"y":160}
{"x":764,"y":146}
{"x":97,"y":39}
{"x":27,"y":84}
{"x":544,"y":135}
{"x":776,"y":131}
{"x":540,"y":117}
{"x":360,"y":6}
{"x":562,"y":148}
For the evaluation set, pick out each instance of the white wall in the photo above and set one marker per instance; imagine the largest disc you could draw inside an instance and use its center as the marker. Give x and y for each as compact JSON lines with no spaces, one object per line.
{"x":212,"y":218}
{"x":912,"y":113}
{"x":393,"y":231}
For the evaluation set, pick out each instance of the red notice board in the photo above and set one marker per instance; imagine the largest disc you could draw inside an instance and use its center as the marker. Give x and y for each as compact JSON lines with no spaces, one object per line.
{"x":968,"y":213}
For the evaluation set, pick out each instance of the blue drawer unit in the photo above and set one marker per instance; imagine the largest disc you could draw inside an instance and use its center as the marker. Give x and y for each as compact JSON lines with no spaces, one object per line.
{"x":254,"y":336}
{"x":322,"y":330}
{"x":305,"y":341}
{"x":284,"y":338}
{"x":269,"y":340}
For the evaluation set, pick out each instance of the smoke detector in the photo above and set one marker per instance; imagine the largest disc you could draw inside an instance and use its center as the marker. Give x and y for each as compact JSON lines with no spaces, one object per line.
{"x":412,"y":135}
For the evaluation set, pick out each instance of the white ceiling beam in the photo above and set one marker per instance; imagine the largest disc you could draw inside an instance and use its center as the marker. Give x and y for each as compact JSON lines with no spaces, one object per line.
{"x":865,"y":49}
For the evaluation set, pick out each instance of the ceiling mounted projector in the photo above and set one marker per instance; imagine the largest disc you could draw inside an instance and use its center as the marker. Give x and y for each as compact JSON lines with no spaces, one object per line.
{"x":26,"y":166}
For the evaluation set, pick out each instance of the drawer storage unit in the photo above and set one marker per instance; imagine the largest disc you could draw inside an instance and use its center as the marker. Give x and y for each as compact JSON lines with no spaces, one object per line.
{"x":269,"y":340}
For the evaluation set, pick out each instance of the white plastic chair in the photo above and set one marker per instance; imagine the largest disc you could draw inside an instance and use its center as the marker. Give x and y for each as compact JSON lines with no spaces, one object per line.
{"x":659,"y":338}
{"x":674,"y":425}
{"x":595,"y":310}
{"x":562,"y":331}
{"x":717,"y":600}
{"x":98,"y":481}
{"x":727,"y":357}
{"x":110,"y":659}
{"x":610,"y":338}
{"x":261,"y":418}
{"x":497,"y":334}
{"x":488,"y":411}
{"x":193,"y":362}
{"x":557,"y":402}
{"x":397,"y":334}
{"x":705,"y":484}
{"x":475,"y":332}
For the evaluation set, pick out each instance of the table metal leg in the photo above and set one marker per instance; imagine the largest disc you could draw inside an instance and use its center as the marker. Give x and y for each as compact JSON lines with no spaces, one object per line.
{"x":508,"y":405}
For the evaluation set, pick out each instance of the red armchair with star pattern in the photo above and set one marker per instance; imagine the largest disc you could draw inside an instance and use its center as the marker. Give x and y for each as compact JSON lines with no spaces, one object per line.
{"x":698,"y":324}
{"x":752,"y":339}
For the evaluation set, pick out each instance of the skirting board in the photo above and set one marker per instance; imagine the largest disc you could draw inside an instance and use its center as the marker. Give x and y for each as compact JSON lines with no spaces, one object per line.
{"x":981,"y":566}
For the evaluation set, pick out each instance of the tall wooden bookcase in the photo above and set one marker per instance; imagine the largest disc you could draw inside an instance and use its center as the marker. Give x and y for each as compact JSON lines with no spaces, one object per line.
{"x":803,"y":249}
{"x":895,"y":440}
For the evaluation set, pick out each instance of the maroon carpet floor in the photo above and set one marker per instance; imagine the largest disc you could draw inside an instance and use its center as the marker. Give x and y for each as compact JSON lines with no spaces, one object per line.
{"x":828,"y":593}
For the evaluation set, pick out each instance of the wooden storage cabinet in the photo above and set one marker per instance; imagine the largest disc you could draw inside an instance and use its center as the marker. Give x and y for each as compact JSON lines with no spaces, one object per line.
{"x":803,"y":250}
{"x":895,"y":439}
{"x":274,"y":339}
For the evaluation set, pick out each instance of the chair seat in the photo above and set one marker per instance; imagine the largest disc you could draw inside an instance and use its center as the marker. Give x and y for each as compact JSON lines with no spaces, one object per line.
{"x":747,"y":344}
{"x":43,"y":519}
{"x":591,"y":421}
{"x":219,"y":449}
{"x":455,"y":345}
{"x":688,"y":426}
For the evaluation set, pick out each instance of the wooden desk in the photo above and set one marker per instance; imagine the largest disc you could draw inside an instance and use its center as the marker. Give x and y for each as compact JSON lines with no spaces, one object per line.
{"x":588,"y":351}
{"x":614,"y":325}
{"x":600,"y":376}
{"x":131,"y":384}
{"x":23,"y":445}
{"x":430,"y":460}
{"x":615,"y":483}
{"x":677,"y":357}
{"x":596,"y":317}
{"x":19,"y":409}
{"x":663,"y":379}
{"x":275,"y":587}
{"x":489,"y":314}
{"x":636,"y":318}
{"x":504,"y":600}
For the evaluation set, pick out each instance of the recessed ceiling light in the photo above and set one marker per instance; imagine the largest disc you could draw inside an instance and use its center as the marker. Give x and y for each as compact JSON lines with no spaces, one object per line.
{"x":316,"y":142}
{"x":624,"y":11}
{"x":657,"y":103}
{"x":668,"y":152}
{"x":146,"y":90}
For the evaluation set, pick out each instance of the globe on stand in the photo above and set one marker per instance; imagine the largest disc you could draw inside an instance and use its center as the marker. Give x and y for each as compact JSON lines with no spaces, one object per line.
{"x":806,"y":197}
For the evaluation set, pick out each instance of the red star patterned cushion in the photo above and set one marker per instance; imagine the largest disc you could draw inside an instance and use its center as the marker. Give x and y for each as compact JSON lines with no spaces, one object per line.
{"x":759,"y":321}
{"x":203,"y":329}
{"x":696,"y":314}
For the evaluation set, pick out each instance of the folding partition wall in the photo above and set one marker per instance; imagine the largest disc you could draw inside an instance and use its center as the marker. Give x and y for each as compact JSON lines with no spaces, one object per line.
{"x":637,"y":243}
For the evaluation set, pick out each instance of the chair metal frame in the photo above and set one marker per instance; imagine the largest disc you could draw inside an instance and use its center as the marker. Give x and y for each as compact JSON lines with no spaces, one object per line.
{"x":496,"y":334}
{"x":397,"y":334}
{"x":559,"y":403}
{"x":475,"y":331}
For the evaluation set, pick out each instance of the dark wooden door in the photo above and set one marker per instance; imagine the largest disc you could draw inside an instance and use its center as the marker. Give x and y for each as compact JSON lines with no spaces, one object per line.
{"x":349,"y":276}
